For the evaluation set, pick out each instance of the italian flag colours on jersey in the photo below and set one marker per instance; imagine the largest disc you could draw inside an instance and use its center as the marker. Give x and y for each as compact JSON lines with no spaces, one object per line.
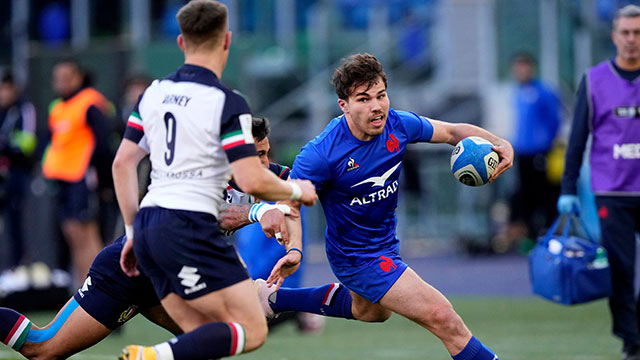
{"x":233,"y":139}
{"x":135,"y":121}
{"x":16,"y":337}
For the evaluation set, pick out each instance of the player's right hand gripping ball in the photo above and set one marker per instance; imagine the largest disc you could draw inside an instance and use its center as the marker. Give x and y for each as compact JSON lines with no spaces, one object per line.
{"x":473,"y":161}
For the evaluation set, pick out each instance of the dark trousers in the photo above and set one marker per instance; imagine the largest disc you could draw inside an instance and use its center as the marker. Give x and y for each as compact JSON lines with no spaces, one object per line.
{"x":534,"y":201}
{"x":619,"y":221}
{"x":15,"y":192}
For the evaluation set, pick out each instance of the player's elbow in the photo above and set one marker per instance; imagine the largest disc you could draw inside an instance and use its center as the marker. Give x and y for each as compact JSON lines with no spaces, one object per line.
{"x":118,"y":164}
{"x":117,"y":168}
{"x":121,"y":165}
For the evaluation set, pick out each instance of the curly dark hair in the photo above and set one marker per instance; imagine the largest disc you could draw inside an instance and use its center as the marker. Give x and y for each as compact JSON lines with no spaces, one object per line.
{"x":260,"y":128}
{"x":356,"y":70}
{"x":7,"y":78}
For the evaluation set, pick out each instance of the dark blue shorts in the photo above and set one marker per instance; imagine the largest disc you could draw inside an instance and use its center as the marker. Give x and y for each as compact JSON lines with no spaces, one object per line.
{"x":185,"y":252}
{"x":373,"y":279}
{"x":110,"y":296}
{"x":73,"y":200}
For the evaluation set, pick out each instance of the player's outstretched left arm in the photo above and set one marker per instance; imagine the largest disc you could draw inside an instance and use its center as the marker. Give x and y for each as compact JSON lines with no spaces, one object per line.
{"x":125,"y":180}
{"x":290,"y":262}
{"x":452,"y":133}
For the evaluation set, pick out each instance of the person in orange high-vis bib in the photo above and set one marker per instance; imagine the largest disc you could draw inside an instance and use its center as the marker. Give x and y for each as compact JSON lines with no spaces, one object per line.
{"x":73,"y":120}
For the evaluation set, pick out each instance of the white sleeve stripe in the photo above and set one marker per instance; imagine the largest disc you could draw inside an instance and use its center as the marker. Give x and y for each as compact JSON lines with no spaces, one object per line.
{"x":246,"y":122}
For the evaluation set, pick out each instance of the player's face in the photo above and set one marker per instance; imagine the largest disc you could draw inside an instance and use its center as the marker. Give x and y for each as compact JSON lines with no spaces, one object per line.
{"x":626,"y":37}
{"x":263,"y":148}
{"x":522,"y":71}
{"x":66,"y":80}
{"x":8,"y":95}
{"x":366,"y":110}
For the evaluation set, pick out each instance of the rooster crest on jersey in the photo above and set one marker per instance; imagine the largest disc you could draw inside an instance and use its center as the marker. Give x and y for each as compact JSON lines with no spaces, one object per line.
{"x":352,"y":164}
{"x":473,"y":161}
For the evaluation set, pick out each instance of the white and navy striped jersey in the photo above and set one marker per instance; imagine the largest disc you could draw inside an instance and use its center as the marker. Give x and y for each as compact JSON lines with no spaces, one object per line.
{"x":193,"y":127}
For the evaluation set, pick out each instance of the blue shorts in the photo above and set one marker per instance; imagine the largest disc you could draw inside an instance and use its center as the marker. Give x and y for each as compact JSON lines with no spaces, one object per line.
{"x":110,"y":296}
{"x":72,"y":200}
{"x":184,"y":252}
{"x":373,"y":279}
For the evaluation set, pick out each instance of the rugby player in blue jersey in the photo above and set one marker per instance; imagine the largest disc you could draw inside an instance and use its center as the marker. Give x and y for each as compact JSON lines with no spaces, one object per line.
{"x":355,"y":165}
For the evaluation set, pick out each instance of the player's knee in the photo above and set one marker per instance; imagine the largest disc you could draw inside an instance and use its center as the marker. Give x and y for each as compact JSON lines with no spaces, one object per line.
{"x":256,"y":335}
{"x":444,"y":319}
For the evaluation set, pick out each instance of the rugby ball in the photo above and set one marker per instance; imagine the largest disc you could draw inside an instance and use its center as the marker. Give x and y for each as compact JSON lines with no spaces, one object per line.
{"x":473,"y":161}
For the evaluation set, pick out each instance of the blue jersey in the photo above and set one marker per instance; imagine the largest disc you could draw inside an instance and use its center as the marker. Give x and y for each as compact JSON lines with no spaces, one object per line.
{"x":538,"y":113}
{"x":357,"y":184}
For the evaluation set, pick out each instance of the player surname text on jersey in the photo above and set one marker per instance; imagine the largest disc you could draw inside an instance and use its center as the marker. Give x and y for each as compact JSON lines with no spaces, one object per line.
{"x":188,"y":174}
{"x":375,"y":196}
{"x":180,"y":100}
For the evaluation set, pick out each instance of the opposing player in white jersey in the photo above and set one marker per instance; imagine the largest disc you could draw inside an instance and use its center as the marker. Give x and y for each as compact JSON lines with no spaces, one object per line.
{"x":196,"y":132}
{"x":109,"y":298}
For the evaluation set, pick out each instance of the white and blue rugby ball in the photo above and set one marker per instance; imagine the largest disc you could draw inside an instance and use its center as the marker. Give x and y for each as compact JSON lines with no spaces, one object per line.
{"x":473,"y":161}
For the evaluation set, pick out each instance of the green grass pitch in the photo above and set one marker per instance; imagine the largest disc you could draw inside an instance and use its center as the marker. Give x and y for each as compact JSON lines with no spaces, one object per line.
{"x":516,"y":328}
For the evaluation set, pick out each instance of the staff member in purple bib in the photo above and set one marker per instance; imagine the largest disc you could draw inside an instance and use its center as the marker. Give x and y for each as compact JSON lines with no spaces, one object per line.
{"x":608,"y":109}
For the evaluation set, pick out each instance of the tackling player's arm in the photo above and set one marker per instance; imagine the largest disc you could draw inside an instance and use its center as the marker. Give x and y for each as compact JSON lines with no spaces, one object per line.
{"x":233,"y":216}
{"x":452,"y":133}
{"x":272,"y":222}
{"x":270,"y":217}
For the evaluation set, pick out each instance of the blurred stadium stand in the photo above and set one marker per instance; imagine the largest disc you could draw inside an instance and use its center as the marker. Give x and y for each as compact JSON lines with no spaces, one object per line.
{"x":446,"y":59}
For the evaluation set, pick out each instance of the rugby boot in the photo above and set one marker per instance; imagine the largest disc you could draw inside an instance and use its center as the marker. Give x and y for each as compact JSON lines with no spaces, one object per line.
{"x":264,"y":293}
{"x":137,"y":352}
